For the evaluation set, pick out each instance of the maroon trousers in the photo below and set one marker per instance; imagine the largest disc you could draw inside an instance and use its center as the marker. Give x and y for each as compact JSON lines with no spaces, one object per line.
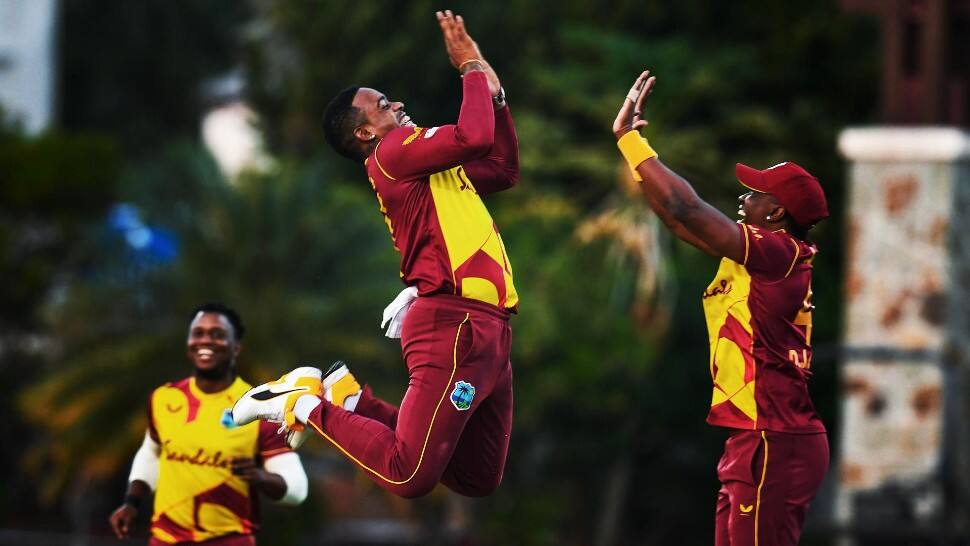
{"x":454,"y":423}
{"x":768,"y":480}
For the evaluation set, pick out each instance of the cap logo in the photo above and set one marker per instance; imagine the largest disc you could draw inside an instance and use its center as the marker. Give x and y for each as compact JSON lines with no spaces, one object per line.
{"x":783,"y":163}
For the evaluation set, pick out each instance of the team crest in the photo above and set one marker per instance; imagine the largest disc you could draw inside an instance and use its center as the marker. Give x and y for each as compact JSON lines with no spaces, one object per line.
{"x":463,"y":395}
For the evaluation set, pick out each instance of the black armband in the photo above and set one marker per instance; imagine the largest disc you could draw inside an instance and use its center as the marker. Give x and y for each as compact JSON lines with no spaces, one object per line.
{"x":134,"y":501}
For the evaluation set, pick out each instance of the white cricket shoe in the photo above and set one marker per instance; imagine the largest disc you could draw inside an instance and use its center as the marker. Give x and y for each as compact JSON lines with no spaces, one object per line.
{"x":274,"y":401}
{"x":340,"y":388}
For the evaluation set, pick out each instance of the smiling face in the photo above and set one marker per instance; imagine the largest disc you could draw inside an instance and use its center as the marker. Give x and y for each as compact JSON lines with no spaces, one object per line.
{"x":212,"y":346}
{"x":381,"y":116}
{"x":760,"y":209}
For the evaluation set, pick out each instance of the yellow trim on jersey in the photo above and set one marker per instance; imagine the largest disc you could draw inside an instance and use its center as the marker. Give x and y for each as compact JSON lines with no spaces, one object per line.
{"x":410,"y":139}
{"x":274,"y":452}
{"x":427,"y":436}
{"x":747,"y":243}
{"x":795,"y":260}
{"x":161,"y":535}
{"x":378,"y":162}
{"x":757,"y":504}
{"x":804,"y":316}
{"x":814,"y":252}
{"x":511,"y":296}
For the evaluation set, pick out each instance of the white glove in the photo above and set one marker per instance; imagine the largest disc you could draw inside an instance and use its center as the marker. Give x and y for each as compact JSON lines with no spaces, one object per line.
{"x":395,"y":312}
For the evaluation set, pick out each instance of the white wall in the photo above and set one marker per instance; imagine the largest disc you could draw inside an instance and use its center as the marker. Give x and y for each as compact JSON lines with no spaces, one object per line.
{"x":27,"y":61}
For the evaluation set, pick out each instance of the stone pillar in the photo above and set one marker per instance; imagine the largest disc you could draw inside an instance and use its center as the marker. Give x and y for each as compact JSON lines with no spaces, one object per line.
{"x":904,"y":458}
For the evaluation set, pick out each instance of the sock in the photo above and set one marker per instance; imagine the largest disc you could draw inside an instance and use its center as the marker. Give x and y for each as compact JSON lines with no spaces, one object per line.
{"x":304,"y":405}
{"x":350,"y":403}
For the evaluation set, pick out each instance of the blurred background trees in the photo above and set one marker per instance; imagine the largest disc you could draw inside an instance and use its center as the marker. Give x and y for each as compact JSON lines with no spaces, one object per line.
{"x":610,"y":352}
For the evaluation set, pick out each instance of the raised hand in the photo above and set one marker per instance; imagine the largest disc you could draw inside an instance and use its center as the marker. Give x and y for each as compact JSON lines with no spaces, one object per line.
{"x":630,"y":116}
{"x":462,"y":49}
{"x":459,"y":45}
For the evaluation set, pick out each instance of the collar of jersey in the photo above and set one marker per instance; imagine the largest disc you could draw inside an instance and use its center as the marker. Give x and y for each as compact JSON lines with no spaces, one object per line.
{"x":199,"y":393}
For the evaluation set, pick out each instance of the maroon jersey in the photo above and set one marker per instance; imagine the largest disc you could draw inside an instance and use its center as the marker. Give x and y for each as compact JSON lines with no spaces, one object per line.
{"x":759,"y":321}
{"x":428,"y":183}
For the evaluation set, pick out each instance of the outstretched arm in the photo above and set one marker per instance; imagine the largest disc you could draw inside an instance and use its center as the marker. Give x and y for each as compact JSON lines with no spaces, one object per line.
{"x":461,"y":47}
{"x":499,"y":169}
{"x":672,"y":224}
{"x":416,"y":151}
{"x":673,"y":199}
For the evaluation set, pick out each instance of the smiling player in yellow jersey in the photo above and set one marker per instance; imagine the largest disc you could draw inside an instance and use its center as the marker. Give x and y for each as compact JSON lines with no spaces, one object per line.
{"x":205,"y":471}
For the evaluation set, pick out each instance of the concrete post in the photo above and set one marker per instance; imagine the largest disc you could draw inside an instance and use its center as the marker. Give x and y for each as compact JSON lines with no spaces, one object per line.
{"x":904,"y":444}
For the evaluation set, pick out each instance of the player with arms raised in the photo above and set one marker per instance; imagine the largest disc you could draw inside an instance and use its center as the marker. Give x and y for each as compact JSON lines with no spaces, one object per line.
{"x":454,"y":422}
{"x":759,"y":319}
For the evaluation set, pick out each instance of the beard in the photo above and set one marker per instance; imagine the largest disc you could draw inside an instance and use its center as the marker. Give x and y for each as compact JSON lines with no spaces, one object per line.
{"x":219,"y":372}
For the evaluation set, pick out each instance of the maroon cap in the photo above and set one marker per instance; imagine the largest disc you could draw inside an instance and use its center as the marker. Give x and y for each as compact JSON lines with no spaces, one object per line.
{"x":797,"y":190}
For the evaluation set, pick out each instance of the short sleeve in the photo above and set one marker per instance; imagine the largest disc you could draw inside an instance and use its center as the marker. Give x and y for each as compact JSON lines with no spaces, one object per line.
{"x":271,"y":444}
{"x":152,"y":429}
{"x":767,"y":253}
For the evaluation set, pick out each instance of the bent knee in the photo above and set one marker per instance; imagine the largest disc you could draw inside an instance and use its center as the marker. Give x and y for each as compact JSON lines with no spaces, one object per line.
{"x":414,"y":490}
{"x":477,"y":488}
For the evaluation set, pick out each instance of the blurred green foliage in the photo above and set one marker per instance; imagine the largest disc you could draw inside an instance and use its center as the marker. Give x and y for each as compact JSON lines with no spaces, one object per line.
{"x":51,"y":188}
{"x":136,"y":69}
{"x":610,"y":352}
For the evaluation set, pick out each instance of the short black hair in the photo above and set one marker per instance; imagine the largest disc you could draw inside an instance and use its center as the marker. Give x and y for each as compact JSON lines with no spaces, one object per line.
{"x":231,"y":315}
{"x":340,"y":118}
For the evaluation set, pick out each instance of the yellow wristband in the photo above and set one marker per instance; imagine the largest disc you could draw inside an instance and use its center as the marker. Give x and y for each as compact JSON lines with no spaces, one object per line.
{"x":636,"y":175}
{"x":635,"y":150}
